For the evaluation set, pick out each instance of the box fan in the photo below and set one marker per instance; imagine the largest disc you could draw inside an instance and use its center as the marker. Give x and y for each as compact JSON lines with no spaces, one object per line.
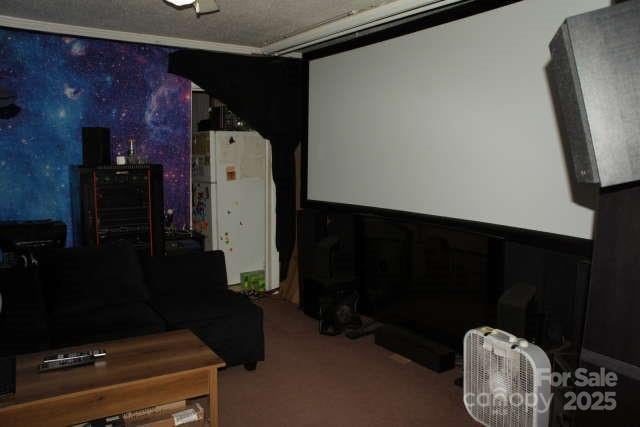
{"x":506,"y":379}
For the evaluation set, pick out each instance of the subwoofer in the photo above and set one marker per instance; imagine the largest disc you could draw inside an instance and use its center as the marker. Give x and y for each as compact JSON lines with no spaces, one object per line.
{"x":594,"y":67}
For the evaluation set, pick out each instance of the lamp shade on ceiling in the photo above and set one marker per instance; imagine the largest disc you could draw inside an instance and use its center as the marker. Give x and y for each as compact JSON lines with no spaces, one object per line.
{"x":180,"y":2}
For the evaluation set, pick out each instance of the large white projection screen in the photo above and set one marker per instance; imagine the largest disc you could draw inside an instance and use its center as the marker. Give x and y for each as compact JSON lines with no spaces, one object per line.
{"x":456,"y":121}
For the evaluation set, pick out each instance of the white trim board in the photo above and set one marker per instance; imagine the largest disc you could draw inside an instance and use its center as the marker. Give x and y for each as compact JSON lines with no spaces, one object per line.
{"x":387,"y":12}
{"x":53,"y":27}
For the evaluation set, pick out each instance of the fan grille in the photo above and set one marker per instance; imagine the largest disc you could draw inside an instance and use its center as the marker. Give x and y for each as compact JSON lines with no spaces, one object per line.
{"x":498,"y":384}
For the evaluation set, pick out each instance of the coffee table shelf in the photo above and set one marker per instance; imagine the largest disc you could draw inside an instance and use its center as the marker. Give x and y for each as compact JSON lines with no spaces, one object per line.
{"x":136,"y":373}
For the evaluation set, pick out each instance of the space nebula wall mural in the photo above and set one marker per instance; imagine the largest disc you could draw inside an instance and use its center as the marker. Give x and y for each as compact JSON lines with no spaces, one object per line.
{"x":65,"y":83}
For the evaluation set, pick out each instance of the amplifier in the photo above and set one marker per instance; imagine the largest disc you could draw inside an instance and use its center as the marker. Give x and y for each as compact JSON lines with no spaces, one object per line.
{"x":21,"y":241}
{"x":182,"y":242}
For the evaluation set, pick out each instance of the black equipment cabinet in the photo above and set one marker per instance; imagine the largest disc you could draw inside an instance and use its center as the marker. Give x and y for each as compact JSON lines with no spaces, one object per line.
{"x":115,"y":203}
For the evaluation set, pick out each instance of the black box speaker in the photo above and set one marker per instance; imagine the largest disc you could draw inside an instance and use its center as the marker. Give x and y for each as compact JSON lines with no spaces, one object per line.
{"x":594,"y":67}
{"x":96,"y":146}
{"x":517,"y":311}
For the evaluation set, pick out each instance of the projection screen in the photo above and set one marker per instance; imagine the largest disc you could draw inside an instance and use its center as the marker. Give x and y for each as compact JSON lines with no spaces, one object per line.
{"x":456,"y":121}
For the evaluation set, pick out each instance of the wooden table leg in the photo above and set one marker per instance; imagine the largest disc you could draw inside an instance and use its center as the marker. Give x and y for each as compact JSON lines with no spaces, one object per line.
{"x":213,"y":397}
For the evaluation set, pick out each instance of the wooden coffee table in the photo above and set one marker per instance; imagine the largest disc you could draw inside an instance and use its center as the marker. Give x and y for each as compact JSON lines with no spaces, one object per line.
{"x":136,"y":373}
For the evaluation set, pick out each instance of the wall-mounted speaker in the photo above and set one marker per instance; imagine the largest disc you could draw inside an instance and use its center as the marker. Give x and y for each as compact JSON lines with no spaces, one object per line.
{"x":595,"y":63}
{"x":96,"y":146}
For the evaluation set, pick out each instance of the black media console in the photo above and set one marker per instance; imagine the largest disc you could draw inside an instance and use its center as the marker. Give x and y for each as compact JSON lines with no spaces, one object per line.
{"x":438,"y":281}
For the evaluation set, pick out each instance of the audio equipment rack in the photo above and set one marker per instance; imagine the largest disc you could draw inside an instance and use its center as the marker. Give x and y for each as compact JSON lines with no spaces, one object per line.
{"x":116,"y":203}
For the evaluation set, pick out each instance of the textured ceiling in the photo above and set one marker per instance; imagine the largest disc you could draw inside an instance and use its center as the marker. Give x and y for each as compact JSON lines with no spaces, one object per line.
{"x":244,"y":22}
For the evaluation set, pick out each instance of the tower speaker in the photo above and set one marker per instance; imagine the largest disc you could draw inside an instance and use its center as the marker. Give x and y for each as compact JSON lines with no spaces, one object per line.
{"x":612,"y":318}
{"x":594,"y":65}
{"x":96,"y":146}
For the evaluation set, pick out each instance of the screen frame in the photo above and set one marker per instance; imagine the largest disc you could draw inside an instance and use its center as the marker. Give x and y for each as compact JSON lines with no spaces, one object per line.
{"x":439,"y":16}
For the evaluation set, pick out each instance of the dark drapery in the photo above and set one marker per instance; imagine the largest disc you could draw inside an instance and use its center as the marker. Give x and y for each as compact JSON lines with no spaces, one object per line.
{"x":270,"y":94}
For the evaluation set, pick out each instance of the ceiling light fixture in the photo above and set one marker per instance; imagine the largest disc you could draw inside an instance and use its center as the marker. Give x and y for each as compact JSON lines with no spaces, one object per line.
{"x":201,"y":6}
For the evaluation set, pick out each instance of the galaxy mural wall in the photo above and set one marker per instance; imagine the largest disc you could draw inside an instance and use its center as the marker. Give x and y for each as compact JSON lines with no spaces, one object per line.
{"x":66,"y":83}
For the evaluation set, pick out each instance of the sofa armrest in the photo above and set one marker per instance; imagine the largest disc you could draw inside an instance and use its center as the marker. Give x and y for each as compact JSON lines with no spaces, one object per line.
{"x":23,"y":320}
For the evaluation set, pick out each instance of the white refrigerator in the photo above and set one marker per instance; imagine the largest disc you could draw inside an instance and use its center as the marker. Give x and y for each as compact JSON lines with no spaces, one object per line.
{"x":231,"y":177}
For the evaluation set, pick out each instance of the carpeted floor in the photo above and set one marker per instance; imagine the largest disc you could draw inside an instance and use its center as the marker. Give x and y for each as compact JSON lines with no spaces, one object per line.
{"x":312,"y":380}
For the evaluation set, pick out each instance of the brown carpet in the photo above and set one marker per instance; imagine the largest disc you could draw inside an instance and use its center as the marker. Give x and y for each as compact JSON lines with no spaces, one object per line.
{"x":312,"y":380}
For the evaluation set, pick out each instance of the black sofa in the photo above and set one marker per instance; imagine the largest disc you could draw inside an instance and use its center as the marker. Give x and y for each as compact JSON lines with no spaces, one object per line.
{"x":82,"y":295}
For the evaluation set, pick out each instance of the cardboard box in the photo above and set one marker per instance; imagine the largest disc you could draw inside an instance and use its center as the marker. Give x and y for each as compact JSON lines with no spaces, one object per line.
{"x":131,"y":418}
{"x":192,"y":415}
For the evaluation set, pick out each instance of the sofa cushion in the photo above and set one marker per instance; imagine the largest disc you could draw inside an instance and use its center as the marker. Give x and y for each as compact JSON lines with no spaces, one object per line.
{"x":104,"y":324}
{"x":81,"y":279}
{"x":188,"y":274}
{"x":185,"y":311}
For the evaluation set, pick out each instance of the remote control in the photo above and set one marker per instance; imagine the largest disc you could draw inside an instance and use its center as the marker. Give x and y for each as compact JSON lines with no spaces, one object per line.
{"x":70,"y":360}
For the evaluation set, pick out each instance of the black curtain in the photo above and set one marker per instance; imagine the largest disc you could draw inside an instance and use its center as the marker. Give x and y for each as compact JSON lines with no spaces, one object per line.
{"x":270,"y":93}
